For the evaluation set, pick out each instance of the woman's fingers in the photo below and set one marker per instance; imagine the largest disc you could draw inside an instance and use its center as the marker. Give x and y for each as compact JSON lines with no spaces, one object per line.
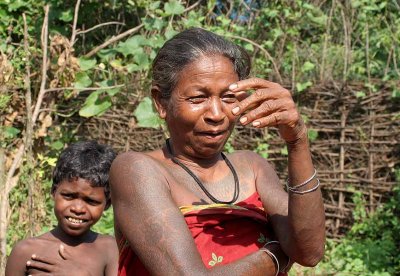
{"x":260,"y":96}
{"x":275,"y":119}
{"x":264,"y":109}
{"x":252,"y":83}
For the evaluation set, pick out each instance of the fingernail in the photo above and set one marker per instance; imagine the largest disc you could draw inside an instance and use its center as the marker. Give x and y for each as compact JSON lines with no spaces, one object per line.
{"x":28,"y":263}
{"x":33,"y":256}
{"x":235,"y":110}
{"x":233,"y":86}
{"x":256,"y":123}
{"x":243,"y":120}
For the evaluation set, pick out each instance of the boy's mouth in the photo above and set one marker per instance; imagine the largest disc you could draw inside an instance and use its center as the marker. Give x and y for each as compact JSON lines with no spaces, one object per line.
{"x":76,"y":220}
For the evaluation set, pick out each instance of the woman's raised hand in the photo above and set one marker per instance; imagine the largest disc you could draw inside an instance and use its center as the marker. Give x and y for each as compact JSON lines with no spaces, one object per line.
{"x":268,"y":105}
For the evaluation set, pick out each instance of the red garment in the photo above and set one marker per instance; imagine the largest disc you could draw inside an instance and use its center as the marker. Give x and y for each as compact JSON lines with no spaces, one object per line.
{"x":223,"y":233}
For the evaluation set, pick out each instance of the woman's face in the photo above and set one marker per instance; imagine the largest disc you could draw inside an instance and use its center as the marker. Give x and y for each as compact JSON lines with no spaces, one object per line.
{"x":198,"y":114}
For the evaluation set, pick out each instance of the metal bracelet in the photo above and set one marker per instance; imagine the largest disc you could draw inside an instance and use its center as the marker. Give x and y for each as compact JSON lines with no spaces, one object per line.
{"x":301,"y":184}
{"x":306,"y":191}
{"x":273,"y":257}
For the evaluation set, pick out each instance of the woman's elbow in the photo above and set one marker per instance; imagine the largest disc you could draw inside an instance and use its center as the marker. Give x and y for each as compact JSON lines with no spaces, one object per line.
{"x":312,"y":258}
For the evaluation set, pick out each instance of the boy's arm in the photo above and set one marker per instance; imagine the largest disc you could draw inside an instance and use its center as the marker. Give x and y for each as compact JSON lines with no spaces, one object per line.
{"x":112,"y":262}
{"x":16,"y":262}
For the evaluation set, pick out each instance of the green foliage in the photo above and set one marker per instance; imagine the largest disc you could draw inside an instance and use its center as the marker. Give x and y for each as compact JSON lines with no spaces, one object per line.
{"x":372,"y":245}
{"x":146,"y":116}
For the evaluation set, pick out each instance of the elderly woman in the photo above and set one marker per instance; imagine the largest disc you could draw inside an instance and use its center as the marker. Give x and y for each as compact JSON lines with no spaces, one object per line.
{"x":190,"y":209}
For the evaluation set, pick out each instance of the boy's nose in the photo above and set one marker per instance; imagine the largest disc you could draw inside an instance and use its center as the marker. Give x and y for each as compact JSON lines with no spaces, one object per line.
{"x":78,"y":207}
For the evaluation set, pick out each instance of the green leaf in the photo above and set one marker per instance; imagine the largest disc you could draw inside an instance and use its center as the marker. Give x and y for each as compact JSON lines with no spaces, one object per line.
{"x":307,"y":66}
{"x":173,"y":7}
{"x":57,"y":145}
{"x":110,"y":91}
{"x":360,"y":94}
{"x":66,"y":16}
{"x":10,"y":132}
{"x":302,"y":86}
{"x":145,"y":115}
{"x":312,"y":134}
{"x":86,"y":64}
{"x":142,"y":60}
{"x":249,"y":47}
{"x":395,"y":93}
{"x":82,"y":80}
{"x":94,"y":106}
{"x":154,"y":5}
{"x":170,"y":33}
{"x":214,"y":257}
{"x":284,"y":151}
{"x":132,"y":45}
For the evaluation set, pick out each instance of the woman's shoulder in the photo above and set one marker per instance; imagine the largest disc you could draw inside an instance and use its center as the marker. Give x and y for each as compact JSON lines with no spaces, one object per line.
{"x":133,"y":160}
{"x":248,"y":157}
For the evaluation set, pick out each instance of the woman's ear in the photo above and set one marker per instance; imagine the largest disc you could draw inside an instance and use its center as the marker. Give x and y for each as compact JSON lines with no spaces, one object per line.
{"x":159,"y":102}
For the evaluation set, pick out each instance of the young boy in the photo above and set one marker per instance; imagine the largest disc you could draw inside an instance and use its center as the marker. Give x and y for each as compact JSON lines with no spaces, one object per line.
{"x":81,"y":193}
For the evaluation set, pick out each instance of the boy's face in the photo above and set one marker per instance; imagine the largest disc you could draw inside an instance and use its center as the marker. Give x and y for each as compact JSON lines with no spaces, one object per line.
{"x":78,"y":205}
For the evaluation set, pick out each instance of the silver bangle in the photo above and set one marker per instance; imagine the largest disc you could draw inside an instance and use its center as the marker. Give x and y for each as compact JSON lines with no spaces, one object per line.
{"x":306,"y":191}
{"x":273,"y":257}
{"x":301,"y":184}
{"x":283,"y":270}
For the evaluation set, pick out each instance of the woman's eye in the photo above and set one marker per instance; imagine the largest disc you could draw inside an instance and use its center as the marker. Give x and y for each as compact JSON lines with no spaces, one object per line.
{"x":197,"y":99}
{"x":230,"y":98}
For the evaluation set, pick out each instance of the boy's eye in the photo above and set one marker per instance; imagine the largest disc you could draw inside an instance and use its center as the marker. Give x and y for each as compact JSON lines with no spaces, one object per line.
{"x":67,"y":196}
{"x":93,"y":202}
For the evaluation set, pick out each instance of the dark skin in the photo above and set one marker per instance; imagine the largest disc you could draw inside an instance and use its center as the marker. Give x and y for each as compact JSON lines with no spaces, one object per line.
{"x":71,"y":248}
{"x":200,"y":116}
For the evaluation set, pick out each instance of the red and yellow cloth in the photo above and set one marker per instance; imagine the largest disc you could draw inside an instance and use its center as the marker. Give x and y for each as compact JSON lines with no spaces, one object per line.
{"x":223,"y":233}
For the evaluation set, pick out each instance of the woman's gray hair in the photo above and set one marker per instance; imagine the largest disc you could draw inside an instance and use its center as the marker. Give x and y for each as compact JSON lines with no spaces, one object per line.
{"x":188,"y":46}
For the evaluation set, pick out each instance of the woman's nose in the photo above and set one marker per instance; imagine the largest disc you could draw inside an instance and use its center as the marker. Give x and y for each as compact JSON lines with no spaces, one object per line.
{"x":215,"y":112}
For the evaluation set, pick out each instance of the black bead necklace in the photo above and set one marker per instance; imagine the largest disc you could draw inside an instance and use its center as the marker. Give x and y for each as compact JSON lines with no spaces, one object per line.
{"x":210,"y":196}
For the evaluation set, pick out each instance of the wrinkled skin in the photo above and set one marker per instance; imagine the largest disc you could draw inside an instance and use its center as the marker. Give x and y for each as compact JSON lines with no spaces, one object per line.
{"x":204,"y":106}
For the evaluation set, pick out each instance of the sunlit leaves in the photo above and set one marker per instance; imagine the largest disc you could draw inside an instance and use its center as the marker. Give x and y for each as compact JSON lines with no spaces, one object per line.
{"x":86,"y":64}
{"x":173,"y":7}
{"x":146,"y":116}
{"x":82,"y":80}
{"x":95,"y":105}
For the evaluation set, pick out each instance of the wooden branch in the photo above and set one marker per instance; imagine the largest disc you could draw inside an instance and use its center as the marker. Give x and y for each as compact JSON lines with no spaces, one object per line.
{"x":264,"y":51}
{"x":193,"y":6}
{"x":85,"y":89}
{"x":98,"y":26}
{"x":128,"y":32}
{"x":28,"y":94}
{"x":114,"y":39}
{"x":44,"y":40}
{"x":72,"y":41}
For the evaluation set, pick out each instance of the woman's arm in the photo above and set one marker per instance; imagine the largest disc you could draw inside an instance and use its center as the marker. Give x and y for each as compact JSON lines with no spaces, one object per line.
{"x":155,"y":228}
{"x":298,"y":219}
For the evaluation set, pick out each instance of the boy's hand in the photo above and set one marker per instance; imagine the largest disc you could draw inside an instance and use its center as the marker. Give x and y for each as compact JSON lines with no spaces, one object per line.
{"x":55,"y":266}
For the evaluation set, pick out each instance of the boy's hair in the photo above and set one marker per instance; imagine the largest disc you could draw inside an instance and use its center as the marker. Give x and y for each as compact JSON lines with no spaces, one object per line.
{"x":87,"y":160}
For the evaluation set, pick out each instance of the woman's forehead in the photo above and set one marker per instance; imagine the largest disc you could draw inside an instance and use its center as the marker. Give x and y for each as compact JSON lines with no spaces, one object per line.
{"x":207,"y":66}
